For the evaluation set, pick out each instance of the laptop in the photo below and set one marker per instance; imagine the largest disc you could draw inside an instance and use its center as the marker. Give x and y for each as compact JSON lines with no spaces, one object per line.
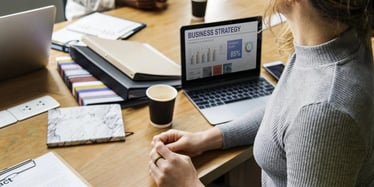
{"x":25,"y":40}
{"x":221,"y":64}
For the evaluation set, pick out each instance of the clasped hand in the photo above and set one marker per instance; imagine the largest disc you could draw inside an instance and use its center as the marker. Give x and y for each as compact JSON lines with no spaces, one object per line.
{"x":170,"y":163}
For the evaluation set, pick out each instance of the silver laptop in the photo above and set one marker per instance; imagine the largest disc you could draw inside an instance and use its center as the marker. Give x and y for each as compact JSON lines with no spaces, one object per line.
{"x":221,"y":64}
{"x":25,"y":40}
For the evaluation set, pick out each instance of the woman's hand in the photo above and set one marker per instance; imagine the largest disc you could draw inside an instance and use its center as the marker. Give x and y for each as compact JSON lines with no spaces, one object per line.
{"x":180,"y":141}
{"x":171,"y":169}
{"x":188,"y":143}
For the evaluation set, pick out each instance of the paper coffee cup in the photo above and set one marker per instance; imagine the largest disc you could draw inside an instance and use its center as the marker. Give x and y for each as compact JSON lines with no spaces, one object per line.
{"x":198,"y":9}
{"x":161,"y":104}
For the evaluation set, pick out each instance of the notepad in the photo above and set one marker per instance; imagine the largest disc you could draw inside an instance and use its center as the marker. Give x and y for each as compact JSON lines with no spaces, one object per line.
{"x":96,"y":24}
{"x":46,"y":170}
{"x":85,"y":125}
{"x":139,"y":61}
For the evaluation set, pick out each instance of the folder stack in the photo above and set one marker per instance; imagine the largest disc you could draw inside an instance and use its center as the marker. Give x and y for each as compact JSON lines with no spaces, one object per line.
{"x":131,"y":91}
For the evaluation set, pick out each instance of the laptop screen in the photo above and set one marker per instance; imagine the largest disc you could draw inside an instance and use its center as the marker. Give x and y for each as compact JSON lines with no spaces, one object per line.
{"x":221,"y":50}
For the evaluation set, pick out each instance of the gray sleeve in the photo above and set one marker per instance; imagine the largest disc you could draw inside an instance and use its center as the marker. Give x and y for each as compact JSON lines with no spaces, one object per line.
{"x":323,"y":147}
{"x":242,"y":131}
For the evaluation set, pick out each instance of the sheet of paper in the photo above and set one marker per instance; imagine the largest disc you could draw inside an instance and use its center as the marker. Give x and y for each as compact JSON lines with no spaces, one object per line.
{"x":96,"y":24}
{"x":66,"y":37}
{"x":103,"y":26}
{"x":46,"y":170}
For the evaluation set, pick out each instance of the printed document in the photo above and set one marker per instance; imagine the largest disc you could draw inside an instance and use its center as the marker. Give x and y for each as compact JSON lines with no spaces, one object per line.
{"x":46,"y":170}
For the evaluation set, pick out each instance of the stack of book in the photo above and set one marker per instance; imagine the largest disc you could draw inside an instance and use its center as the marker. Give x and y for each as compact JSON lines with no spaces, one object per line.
{"x":86,"y":89}
{"x":115,"y":71}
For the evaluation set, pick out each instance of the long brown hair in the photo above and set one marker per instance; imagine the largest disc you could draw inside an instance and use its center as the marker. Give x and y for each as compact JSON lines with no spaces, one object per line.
{"x":357,"y":14}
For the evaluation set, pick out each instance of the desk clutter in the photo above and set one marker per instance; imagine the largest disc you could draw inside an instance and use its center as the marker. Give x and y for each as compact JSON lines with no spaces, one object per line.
{"x":93,"y":77}
{"x":115,"y":79}
{"x":89,"y":89}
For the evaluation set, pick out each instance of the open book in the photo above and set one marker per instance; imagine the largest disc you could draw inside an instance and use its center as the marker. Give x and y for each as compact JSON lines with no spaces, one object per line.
{"x":139,"y":61}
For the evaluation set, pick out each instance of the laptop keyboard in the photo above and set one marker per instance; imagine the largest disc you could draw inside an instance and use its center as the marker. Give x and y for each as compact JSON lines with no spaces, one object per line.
{"x":211,"y":97}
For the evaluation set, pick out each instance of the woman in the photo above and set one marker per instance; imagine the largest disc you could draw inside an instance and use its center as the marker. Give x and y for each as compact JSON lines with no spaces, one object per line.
{"x":319,"y":128}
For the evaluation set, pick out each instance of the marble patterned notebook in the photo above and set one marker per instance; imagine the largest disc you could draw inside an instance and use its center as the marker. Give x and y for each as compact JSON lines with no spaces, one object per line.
{"x":85,"y":125}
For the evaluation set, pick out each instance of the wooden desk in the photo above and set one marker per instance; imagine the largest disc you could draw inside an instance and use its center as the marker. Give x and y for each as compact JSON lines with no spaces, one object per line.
{"x":125,"y":163}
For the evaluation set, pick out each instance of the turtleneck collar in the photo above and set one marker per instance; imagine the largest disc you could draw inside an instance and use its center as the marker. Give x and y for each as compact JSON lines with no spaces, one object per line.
{"x":329,"y":52}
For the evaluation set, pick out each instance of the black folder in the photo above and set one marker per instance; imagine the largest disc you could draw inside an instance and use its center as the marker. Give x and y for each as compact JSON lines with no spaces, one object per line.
{"x":111,"y":76}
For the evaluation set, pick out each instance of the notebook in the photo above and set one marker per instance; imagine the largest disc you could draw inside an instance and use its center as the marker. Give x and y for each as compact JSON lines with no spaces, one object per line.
{"x":221,"y":68}
{"x":139,"y":61}
{"x":25,"y":40}
{"x":95,"y":24}
{"x":85,"y":125}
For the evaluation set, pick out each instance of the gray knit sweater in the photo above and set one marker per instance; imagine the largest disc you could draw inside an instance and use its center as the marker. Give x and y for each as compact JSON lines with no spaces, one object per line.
{"x":318,"y":126}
